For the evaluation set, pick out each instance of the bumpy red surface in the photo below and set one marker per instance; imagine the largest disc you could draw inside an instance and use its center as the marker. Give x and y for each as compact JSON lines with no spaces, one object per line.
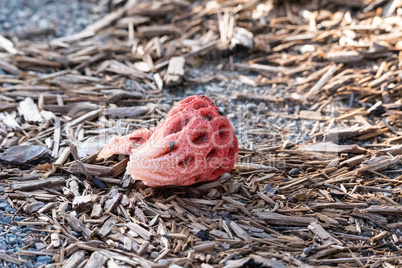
{"x":195,"y":143}
{"x":125,"y":144}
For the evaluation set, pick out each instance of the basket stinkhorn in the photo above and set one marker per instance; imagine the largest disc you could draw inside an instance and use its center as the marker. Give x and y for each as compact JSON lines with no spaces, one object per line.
{"x":195,"y":143}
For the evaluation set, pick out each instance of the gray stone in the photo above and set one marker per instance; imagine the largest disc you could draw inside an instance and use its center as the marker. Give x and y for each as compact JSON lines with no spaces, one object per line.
{"x":44,"y":259}
{"x":154,"y":254}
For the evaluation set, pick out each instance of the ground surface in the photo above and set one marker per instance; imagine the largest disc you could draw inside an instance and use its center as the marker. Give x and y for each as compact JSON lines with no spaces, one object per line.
{"x":313,"y":91}
{"x":39,"y":20}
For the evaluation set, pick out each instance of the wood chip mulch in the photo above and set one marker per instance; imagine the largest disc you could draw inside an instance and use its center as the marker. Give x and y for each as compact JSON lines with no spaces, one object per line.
{"x":332,"y":200}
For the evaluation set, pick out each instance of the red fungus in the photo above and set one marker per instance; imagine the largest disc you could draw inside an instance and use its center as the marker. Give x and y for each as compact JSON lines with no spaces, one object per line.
{"x":195,"y":143}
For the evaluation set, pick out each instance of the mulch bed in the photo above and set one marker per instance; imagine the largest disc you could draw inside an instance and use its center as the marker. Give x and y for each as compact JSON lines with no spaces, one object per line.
{"x":333,"y":199}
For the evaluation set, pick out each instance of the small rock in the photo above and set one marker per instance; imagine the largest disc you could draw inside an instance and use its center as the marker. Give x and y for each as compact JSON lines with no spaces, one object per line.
{"x":4,"y":206}
{"x":130,"y":85}
{"x":12,"y":241}
{"x":7,"y":220}
{"x":14,"y":228}
{"x":154,"y":254}
{"x":10,"y":235}
{"x":3,"y":245}
{"x":28,"y":264}
{"x":261,"y":107}
{"x":164,"y":262}
{"x":225,"y":246}
{"x":226,"y":215}
{"x":251,"y":106}
{"x":203,"y":235}
{"x":294,"y":171}
{"x":302,"y":258}
{"x":43,"y":24}
{"x":379,"y":111}
{"x":44,"y":259}
{"x":307,"y":250}
{"x":269,"y":188}
{"x":307,"y":124}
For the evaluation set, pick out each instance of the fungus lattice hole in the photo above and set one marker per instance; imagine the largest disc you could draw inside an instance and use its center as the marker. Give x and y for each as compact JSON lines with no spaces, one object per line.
{"x":171,"y":148}
{"x":189,"y":99}
{"x":199,"y":105}
{"x":207,"y":117}
{"x":213,"y":153}
{"x":224,"y":133}
{"x":185,"y":122}
{"x":188,"y":161}
{"x":178,"y":126}
{"x":136,"y":139}
{"x":207,"y":114}
{"x":200,"y":139}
